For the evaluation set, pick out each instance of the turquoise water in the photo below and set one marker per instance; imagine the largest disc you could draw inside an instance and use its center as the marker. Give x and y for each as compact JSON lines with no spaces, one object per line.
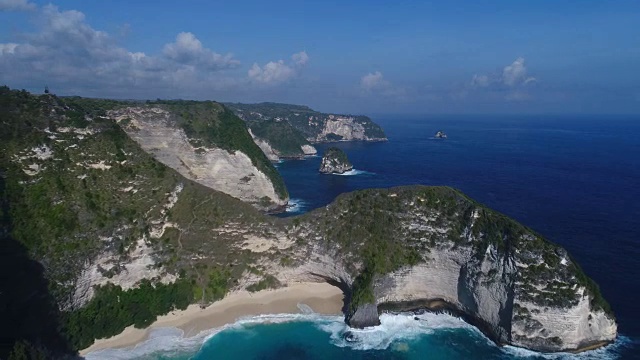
{"x":311,"y":337}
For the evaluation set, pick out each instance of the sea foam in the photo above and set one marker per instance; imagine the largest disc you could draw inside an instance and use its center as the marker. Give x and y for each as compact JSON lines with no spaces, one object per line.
{"x":296,"y":206}
{"x":394,"y":330}
{"x":354,"y":172}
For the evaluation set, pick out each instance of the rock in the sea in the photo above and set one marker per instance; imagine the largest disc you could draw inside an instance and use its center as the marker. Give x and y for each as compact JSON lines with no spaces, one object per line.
{"x":335,"y":161}
{"x":365,"y":315}
{"x":440,"y":135}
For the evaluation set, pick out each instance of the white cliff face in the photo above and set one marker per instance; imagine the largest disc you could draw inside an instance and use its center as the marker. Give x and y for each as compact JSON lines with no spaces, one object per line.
{"x":483,"y":289}
{"x":231,"y":173}
{"x":577,"y":326}
{"x":309,"y":150}
{"x":127,"y":270}
{"x":265,"y":147}
{"x":342,"y":126}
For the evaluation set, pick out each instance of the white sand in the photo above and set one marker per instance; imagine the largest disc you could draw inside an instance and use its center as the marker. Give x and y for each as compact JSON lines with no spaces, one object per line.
{"x":321,"y":297}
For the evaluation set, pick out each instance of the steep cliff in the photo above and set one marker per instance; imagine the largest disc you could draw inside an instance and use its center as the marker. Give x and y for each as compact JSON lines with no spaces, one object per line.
{"x":204,"y":143}
{"x":435,"y":248}
{"x":279,"y":140}
{"x":313,"y":125}
{"x":335,"y":161}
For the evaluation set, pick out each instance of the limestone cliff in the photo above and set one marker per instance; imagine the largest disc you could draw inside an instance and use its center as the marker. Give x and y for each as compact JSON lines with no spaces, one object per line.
{"x":335,"y":161}
{"x":423,"y":247}
{"x":315,"y":126}
{"x":230,"y":171}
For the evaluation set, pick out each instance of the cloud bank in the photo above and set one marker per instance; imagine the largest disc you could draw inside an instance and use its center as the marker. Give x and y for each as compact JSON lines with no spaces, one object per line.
{"x":276,"y":72}
{"x":67,"y":53}
{"x":513,"y":81}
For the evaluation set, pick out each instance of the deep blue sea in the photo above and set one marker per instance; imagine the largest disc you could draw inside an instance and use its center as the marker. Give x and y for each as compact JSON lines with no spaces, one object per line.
{"x":574,"y":179}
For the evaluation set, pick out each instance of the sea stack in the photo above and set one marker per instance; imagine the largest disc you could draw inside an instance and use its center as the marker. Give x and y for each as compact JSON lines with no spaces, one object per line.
{"x":335,"y":161}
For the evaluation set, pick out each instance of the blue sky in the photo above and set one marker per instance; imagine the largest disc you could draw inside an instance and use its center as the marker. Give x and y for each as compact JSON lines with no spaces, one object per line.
{"x":341,"y":56}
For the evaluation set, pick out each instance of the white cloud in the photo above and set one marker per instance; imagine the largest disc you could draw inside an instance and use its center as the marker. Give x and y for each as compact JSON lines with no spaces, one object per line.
{"x":187,"y":49}
{"x":372,"y":81}
{"x":516,"y":73}
{"x":271,"y":73}
{"x":16,"y":5}
{"x":513,"y":75}
{"x":8,"y":49}
{"x":300,"y":58}
{"x":66,"y":52}
{"x":375,"y":84}
{"x":276,"y":72}
{"x":480,"y":80}
{"x":511,"y":84}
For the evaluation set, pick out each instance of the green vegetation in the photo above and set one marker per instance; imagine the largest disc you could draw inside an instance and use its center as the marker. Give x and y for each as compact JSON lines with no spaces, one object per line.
{"x":367,"y":225}
{"x":338,"y":155}
{"x":334,"y":137}
{"x":215,"y":125}
{"x":282,"y":137}
{"x":97,"y":194}
{"x":267,"y":282}
{"x":305,"y":120}
{"x":113,"y":309}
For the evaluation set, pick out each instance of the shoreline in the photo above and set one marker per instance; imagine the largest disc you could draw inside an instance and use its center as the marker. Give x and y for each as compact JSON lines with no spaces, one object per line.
{"x":321,"y":297}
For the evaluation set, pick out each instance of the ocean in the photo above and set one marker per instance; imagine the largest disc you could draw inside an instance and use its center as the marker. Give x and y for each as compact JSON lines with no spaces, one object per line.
{"x":574,"y":179}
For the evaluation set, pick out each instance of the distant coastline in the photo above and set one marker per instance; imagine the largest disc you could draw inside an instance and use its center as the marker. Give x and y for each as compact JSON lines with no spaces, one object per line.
{"x":321,"y":297}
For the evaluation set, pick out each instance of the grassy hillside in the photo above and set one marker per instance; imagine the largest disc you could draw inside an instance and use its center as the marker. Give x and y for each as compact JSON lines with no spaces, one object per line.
{"x":282,"y":137}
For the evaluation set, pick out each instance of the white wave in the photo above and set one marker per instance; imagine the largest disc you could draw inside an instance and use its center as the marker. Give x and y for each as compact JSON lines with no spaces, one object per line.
{"x":392,"y":328}
{"x":611,"y":351}
{"x":296,"y":206}
{"x":167,"y":340}
{"x":305,"y":309}
{"x":354,"y":172}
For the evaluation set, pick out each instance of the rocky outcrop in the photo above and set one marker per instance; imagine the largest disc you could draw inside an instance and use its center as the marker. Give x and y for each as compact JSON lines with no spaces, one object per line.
{"x":231,"y":172}
{"x":344,"y":128}
{"x":513,"y":285}
{"x":309,"y":150}
{"x":335,"y":161}
{"x":316,"y":127}
{"x":484,"y":291}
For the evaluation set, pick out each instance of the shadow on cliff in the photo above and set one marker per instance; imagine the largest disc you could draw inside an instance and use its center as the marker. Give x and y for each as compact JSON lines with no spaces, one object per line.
{"x":346,"y":290}
{"x":29,"y":319}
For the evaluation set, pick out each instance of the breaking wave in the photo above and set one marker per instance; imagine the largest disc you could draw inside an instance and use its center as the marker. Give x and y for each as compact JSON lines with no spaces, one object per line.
{"x":354,"y":172}
{"x":296,"y":206}
{"x":395,"y":332}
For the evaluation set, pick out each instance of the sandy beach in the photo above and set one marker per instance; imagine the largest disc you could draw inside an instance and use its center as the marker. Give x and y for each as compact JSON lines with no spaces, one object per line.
{"x":321,"y":297}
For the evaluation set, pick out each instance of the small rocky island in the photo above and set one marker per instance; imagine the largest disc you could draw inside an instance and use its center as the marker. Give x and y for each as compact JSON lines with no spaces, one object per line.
{"x":440,"y":135}
{"x":335,"y":161}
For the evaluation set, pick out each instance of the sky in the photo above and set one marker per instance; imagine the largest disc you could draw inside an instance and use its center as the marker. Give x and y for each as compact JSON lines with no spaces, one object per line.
{"x":369,"y":56}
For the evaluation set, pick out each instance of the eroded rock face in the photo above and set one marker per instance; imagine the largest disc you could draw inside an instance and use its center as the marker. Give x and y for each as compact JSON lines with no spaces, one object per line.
{"x":513,"y":285}
{"x":335,"y":161}
{"x":232,"y":173}
{"x":344,"y":127}
{"x":265,"y":147}
{"x":484,"y":289}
